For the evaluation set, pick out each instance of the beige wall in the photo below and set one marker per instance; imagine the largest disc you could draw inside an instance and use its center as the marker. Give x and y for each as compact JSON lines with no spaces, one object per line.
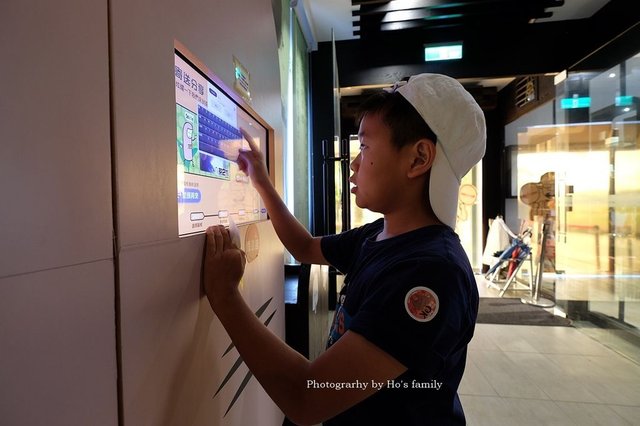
{"x":57,"y":314}
{"x":58,"y":272}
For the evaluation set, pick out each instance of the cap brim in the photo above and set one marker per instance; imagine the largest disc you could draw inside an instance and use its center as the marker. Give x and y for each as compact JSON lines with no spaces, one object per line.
{"x":443,"y":189}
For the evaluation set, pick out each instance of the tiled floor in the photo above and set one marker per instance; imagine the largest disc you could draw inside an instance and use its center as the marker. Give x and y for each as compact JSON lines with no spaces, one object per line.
{"x":534,"y":375}
{"x":584,"y":288}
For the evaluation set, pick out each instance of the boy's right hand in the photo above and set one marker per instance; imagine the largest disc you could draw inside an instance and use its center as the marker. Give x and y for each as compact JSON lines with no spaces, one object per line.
{"x":251,"y":162}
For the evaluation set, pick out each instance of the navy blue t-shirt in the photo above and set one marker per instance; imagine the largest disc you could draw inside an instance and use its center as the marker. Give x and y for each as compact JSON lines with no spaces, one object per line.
{"x":415,"y":297}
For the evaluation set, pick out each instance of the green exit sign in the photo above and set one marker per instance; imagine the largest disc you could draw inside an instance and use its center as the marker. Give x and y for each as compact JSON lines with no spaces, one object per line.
{"x":624,"y":100}
{"x":573,"y":103}
{"x":442,"y":52}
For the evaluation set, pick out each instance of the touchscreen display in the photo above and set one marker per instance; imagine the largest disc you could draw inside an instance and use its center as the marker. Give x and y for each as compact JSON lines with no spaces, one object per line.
{"x":211,"y":188}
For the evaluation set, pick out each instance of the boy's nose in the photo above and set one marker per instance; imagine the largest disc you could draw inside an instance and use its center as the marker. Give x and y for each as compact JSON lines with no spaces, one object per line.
{"x":355,"y":163}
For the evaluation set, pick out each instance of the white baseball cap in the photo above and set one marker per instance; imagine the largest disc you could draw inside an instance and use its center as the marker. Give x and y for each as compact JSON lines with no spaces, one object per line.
{"x":459,"y":124}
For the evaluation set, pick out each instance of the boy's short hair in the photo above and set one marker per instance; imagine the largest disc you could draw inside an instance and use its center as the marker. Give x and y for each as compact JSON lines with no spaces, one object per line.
{"x":406,"y":125}
{"x":453,"y":117}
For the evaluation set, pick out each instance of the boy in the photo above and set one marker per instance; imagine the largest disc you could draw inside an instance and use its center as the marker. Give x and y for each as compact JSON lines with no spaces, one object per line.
{"x":397,"y":348}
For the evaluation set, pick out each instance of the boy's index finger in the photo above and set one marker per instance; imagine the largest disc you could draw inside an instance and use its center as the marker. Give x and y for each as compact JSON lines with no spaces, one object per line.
{"x":249,"y":139}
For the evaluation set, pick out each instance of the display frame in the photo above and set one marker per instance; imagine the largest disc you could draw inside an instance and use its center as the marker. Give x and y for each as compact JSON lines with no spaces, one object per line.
{"x":267,"y":148}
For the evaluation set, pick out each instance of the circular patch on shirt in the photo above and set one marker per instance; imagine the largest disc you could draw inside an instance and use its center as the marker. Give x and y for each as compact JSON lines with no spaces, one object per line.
{"x":421,"y":304}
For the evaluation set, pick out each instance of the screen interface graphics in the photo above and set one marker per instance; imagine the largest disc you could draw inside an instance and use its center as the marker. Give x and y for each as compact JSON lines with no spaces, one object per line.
{"x":211,"y":188}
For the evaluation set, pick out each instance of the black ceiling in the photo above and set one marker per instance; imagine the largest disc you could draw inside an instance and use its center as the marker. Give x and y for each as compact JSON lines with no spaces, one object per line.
{"x":376,"y":16}
{"x":501,"y":38}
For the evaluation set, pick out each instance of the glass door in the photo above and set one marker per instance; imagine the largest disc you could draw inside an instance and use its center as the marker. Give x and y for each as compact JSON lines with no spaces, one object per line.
{"x":582,"y":175}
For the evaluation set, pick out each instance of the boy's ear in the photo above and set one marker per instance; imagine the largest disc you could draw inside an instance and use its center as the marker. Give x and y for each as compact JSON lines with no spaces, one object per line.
{"x":423,"y":153}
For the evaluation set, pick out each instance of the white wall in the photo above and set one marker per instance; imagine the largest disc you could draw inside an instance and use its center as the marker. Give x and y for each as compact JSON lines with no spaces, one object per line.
{"x":57,"y":311}
{"x":58,"y":274}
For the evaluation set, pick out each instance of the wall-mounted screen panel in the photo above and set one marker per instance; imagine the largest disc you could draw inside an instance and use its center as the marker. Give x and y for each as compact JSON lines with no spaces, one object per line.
{"x":211,"y":188}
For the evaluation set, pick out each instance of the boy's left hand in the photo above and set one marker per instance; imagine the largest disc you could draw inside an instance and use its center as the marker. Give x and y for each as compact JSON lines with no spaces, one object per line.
{"x":223,"y":265}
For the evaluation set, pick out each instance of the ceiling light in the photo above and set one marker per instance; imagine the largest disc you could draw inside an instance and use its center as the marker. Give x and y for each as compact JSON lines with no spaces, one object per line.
{"x":449,"y":16}
{"x":405,"y":25}
{"x":393,"y":26}
{"x":413,"y":4}
{"x":403,"y":15}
